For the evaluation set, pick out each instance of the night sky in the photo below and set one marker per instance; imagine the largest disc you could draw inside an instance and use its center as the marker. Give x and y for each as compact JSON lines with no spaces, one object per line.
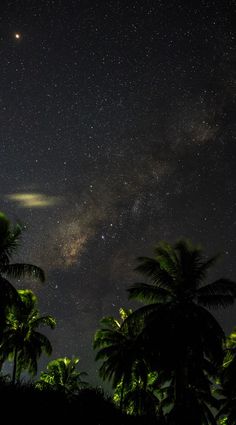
{"x":117,"y":131}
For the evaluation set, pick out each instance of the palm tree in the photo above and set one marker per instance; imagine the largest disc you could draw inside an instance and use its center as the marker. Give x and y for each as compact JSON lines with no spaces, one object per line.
{"x":22,"y":342}
{"x":62,"y":375}
{"x":182,"y":338}
{"x":227,"y":412}
{"x":140,"y":397}
{"x":199,"y":405}
{"x":117,"y":343}
{"x":10,"y":236}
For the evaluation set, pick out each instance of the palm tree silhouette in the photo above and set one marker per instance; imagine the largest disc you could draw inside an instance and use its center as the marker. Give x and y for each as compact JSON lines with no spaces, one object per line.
{"x":62,"y":375}
{"x":119,"y":349}
{"x":10,"y":236}
{"x":22,"y":342}
{"x":183,"y":340}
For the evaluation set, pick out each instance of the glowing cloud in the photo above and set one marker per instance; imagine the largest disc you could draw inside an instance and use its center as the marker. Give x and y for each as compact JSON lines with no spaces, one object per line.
{"x":34,"y":200}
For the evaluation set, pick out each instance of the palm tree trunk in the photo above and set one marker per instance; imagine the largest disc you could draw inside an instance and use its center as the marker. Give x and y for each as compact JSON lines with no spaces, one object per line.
{"x":14,"y":366}
{"x":122,"y":395}
{"x":143,"y":386}
{"x":179,"y":387}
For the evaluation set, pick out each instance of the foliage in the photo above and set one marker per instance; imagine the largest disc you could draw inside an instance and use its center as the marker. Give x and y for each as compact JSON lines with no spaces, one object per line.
{"x":117,"y":342}
{"x":10,"y":237}
{"x":175,"y":315}
{"x":168,"y":361}
{"x":22,"y":342}
{"x":227,"y":412}
{"x":175,"y":299}
{"x":90,"y":406}
{"x":140,"y":397}
{"x":62,"y":375}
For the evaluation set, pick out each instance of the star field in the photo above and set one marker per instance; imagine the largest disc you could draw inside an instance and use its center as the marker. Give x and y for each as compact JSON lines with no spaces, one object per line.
{"x":117,"y":130}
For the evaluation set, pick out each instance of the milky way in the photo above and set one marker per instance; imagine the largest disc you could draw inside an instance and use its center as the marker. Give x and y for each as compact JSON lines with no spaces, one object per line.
{"x":117,"y":131}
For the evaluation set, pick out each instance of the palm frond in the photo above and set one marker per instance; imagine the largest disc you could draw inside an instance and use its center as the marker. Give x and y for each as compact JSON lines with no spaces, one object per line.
{"x":110,"y":322}
{"x":13,"y":240}
{"x":124,"y":313}
{"x":220,"y":286}
{"x":185,"y":248}
{"x":148,"y":293}
{"x":28,"y":298}
{"x":44,"y":321}
{"x":166,"y":256}
{"x":208,"y":414}
{"x":8,"y":294}
{"x":21,"y":270}
{"x":142,"y":314}
{"x":203,"y":267}
{"x":42,"y":341}
{"x":216,"y":301}
{"x":150,"y":267}
{"x":221,"y":293}
{"x":9,"y":239}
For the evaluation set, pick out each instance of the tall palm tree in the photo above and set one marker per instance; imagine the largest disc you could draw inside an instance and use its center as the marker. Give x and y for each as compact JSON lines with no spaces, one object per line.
{"x":62,"y":375}
{"x":22,"y":342}
{"x":117,"y":343}
{"x":10,"y":237}
{"x":182,"y":338}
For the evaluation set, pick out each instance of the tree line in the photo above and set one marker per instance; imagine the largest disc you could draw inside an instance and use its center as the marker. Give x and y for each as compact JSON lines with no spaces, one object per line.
{"x":169,"y":360}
